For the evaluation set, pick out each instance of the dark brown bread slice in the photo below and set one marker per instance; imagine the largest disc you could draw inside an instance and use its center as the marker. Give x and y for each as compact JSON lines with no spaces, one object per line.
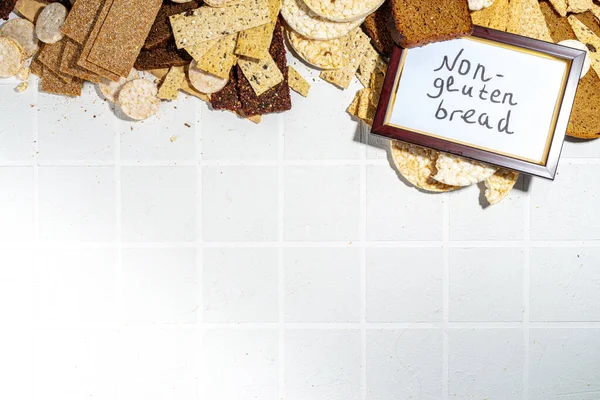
{"x":6,"y":7}
{"x":160,"y":33}
{"x":165,"y":56}
{"x":276,"y":99}
{"x":419,"y":22}
{"x":585,"y":117}
{"x":227,"y":98}
{"x":376,"y":27}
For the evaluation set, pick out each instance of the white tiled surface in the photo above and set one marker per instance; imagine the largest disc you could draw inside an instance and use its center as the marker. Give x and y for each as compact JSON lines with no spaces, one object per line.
{"x":228,"y":261}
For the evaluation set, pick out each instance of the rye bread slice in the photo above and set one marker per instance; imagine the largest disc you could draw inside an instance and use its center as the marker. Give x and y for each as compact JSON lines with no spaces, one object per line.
{"x":585,"y":117}
{"x":6,"y":7}
{"x":415,"y":23}
{"x":160,"y":33}
{"x":164,"y":56}
{"x":376,"y":27}
{"x":227,"y":98}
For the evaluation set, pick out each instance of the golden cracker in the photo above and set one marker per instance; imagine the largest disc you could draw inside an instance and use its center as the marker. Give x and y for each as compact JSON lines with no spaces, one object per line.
{"x":587,"y":37}
{"x":198,"y":50}
{"x":169,"y":88}
{"x":342,"y":77}
{"x":262,"y":75}
{"x":255,"y":42}
{"x":297,"y":82}
{"x":220,"y":58}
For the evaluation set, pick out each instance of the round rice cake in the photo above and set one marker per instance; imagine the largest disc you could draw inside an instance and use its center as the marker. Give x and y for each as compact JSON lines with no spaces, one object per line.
{"x":110,"y":89}
{"x":220,"y":3}
{"x":343,"y":10}
{"x":11,"y":57}
{"x":23,"y":32}
{"x":417,"y":165}
{"x":308,"y":24}
{"x":499,"y":185}
{"x":49,"y":22}
{"x":203,"y":81}
{"x":138,"y":99}
{"x":457,"y":171}
{"x":325,"y":54}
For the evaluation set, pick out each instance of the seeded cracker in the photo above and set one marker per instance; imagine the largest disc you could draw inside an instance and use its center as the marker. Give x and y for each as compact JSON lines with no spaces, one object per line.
{"x":499,"y":185}
{"x":308,"y":24}
{"x":587,"y":37}
{"x":208,"y":23}
{"x":227,"y":98}
{"x":122,"y":35}
{"x":198,"y":50}
{"x":11,"y":57}
{"x":138,"y":99}
{"x":325,"y":54}
{"x":343,"y":77}
{"x":51,"y":56}
{"x":457,"y":171}
{"x":262,"y":75}
{"x":220,"y":58}
{"x":23,"y":32}
{"x":81,"y":19}
{"x":297,"y":82}
{"x":417,"y":165}
{"x":89,"y":43}
{"x":169,"y":88}
{"x":68,"y":64}
{"x":255,"y":42}
{"x":370,"y":62}
{"x":51,"y":83}
{"x":343,"y":10}
{"x":185,"y":85}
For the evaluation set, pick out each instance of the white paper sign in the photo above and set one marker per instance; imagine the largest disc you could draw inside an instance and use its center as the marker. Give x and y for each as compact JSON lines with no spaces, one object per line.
{"x":471,"y":91}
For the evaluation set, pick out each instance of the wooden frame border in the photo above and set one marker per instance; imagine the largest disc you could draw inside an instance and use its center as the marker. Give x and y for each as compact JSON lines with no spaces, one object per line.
{"x":548,"y":171}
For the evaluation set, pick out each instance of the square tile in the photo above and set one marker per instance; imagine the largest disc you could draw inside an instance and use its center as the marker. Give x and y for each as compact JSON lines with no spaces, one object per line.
{"x":322,"y":285}
{"x":18,"y":125}
{"x":396,"y":211}
{"x":486,"y":284}
{"x":16,"y":364}
{"x":321,"y":203}
{"x":77,"y":204}
{"x":565,"y":284}
{"x":158,"y":362}
{"x":322,"y":364}
{"x":580,"y":148}
{"x":470,"y":221}
{"x":77,"y":286}
{"x":404,"y":285}
{"x":314,"y":131}
{"x":404,"y":364}
{"x":227,"y":137}
{"x":76,"y":129}
{"x":160,"y":285}
{"x":564,"y":364}
{"x":170,"y":136}
{"x":240,"y":364}
{"x":16,"y":204}
{"x":16,"y":287}
{"x":485,"y":363}
{"x":240,"y":285}
{"x":554,"y":216}
{"x":239,"y":203}
{"x":76,"y":364}
{"x":159,"y":204}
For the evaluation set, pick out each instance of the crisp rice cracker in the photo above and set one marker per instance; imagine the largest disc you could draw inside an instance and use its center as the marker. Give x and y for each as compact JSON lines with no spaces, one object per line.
{"x":499,"y":185}
{"x":138,"y":100}
{"x":417,"y":165}
{"x":110,"y":89}
{"x":587,"y":37}
{"x":11,"y":57}
{"x":325,"y":54}
{"x":343,"y":77}
{"x":458,"y":171}
{"x":297,"y":82}
{"x":255,"y":42}
{"x":262,"y":75}
{"x":220,"y":58}
{"x":343,"y":10}
{"x":206,"y":23}
{"x":169,"y":88}
{"x":21,"y":31}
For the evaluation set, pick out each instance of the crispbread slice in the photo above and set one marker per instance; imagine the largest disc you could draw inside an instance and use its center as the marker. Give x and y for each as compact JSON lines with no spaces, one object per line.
{"x":587,"y":37}
{"x":254,"y":42}
{"x":526,"y":19}
{"x":51,"y":83}
{"x":560,"y":6}
{"x":297,"y":82}
{"x":579,"y":6}
{"x":51,"y":56}
{"x":495,"y":17}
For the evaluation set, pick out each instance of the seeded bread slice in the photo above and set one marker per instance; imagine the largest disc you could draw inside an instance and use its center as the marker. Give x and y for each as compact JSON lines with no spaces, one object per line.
{"x":419,"y":22}
{"x":585,"y":117}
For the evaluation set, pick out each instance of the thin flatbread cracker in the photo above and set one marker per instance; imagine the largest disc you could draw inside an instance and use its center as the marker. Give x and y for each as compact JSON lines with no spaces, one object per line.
{"x":560,"y":6}
{"x":255,"y":42}
{"x":587,"y":37}
{"x":186,"y":86}
{"x":169,"y":88}
{"x":198,"y":50}
{"x":30,"y":9}
{"x":342,"y":77}
{"x":51,"y":83}
{"x":220,"y":58}
{"x":262,"y":75}
{"x":495,"y":17}
{"x":207,"y":23}
{"x":417,"y":165}
{"x":81,"y":19}
{"x":51,"y":57}
{"x":526,"y":19}
{"x":297,"y":82}
{"x":579,"y":6}
{"x":499,"y":185}
{"x":369,"y":63}
{"x":68,"y":64}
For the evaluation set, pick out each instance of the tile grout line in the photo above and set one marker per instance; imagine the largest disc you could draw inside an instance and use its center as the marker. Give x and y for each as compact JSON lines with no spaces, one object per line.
{"x":363,"y":260}
{"x":36,"y":234}
{"x":118,"y":215}
{"x":280,"y":254}
{"x":445,"y":293}
{"x":199,"y":245}
{"x":526,"y":304}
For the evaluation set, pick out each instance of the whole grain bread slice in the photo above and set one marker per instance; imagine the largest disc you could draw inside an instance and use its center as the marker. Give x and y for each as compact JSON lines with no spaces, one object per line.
{"x":419,"y":22}
{"x":376,"y":27}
